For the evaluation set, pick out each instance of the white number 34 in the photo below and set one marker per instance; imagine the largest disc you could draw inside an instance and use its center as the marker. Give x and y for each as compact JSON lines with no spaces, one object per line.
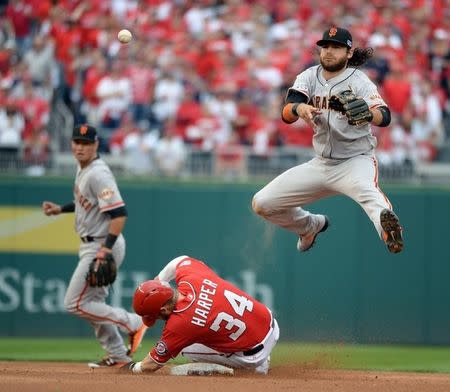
{"x":239,"y":304}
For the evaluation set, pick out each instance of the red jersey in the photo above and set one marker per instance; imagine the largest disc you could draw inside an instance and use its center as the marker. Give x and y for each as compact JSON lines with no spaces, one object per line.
{"x":213,"y":313}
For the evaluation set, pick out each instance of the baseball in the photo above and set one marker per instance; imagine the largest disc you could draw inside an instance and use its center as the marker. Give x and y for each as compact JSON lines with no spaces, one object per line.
{"x":124,"y":36}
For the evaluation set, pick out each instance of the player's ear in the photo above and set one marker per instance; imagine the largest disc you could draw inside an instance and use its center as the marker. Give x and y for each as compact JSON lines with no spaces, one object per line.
{"x":350,"y":53}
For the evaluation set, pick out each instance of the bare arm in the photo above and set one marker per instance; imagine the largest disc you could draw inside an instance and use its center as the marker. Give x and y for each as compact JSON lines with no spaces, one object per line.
{"x":116,"y":226}
{"x":377,"y":116}
{"x":147,"y":365}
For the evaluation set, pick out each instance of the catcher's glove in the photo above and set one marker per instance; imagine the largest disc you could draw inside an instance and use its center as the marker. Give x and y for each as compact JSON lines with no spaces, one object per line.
{"x":102,"y":272}
{"x":356,"y":109}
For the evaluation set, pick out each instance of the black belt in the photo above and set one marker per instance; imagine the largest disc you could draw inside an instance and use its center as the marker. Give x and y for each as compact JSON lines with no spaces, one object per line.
{"x":254,"y":350}
{"x":88,"y":238}
{"x":259,"y":347}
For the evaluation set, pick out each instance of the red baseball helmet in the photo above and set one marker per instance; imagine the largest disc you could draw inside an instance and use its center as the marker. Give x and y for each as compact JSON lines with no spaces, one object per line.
{"x":149,"y":298}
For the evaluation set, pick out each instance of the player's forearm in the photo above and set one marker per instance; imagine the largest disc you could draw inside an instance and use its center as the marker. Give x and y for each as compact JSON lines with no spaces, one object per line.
{"x":289,"y":113}
{"x":147,"y":365}
{"x":381,"y":116}
{"x":116,"y":225}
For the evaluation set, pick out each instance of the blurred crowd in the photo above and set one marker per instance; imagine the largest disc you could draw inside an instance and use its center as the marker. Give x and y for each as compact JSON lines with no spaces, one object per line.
{"x":210,"y":74}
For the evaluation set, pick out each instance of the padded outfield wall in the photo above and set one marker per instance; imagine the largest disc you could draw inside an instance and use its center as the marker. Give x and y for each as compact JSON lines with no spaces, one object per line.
{"x":347,"y":289}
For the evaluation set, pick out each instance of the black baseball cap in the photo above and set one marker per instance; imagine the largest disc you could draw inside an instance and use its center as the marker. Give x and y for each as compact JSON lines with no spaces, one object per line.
{"x":337,"y":35}
{"x":84,"y":132}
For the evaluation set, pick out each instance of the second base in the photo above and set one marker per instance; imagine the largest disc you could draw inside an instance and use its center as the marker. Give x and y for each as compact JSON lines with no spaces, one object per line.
{"x":200,"y":369}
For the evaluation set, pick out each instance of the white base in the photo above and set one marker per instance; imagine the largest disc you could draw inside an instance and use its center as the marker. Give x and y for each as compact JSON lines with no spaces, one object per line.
{"x":200,"y":369}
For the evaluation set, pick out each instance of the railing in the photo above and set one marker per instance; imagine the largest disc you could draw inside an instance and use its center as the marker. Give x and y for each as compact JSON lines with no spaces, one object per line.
{"x":245,"y":165}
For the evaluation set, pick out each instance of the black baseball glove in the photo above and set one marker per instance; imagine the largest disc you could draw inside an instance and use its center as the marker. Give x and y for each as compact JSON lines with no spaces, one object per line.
{"x":356,"y":109}
{"x":102,"y":272}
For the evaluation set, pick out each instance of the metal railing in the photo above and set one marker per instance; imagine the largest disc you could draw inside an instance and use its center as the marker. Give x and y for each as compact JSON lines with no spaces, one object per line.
{"x":201,"y":164}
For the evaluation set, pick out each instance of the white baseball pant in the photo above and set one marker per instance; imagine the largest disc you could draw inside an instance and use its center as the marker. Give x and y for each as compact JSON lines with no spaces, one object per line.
{"x":281,"y":201}
{"x":259,"y":362}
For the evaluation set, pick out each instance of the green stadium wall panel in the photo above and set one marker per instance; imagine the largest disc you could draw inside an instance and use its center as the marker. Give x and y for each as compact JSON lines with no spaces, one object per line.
{"x":348,"y":288}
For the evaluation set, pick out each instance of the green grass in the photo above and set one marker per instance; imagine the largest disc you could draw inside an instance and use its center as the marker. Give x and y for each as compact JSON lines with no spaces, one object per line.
{"x":343,"y":356}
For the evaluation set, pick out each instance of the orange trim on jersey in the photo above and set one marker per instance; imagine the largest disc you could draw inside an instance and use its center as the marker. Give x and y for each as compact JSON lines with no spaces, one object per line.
{"x":93,"y":316}
{"x":375,"y":180}
{"x":112,"y":206}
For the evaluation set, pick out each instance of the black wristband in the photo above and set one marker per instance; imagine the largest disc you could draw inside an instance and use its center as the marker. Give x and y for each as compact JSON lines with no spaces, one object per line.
{"x":386,"y":116}
{"x":110,"y":240}
{"x":69,"y":207}
{"x":294,"y":109}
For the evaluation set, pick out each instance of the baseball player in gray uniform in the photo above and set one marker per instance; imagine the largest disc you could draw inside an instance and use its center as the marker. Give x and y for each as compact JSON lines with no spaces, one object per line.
{"x":345,"y":160}
{"x":100,"y":216}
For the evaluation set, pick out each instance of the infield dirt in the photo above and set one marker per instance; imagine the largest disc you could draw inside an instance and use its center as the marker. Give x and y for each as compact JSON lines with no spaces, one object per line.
{"x":76,"y":377}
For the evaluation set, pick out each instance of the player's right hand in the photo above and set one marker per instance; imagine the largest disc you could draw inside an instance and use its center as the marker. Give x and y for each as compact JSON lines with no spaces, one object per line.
{"x":50,"y":208}
{"x":307,"y":113}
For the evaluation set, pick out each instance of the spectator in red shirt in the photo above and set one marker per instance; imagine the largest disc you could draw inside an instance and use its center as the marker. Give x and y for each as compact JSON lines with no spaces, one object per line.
{"x":397,"y":88}
{"x":187,"y":114}
{"x":36,"y":149}
{"x":35,"y":108}
{"x":19,"y":13}
{"x":142,"y":78}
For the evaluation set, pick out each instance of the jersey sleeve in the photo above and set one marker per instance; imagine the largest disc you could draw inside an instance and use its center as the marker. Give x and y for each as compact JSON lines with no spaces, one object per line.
{"x":369,"y":92}
{"x":189,"y":267}
{"x":169,"y":346}
{"x":106,"y":191}
{"x":168,"y":272}
{"x":303,"y":83}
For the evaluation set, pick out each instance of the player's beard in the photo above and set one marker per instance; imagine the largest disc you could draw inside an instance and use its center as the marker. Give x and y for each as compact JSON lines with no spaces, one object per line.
{"x":341,"y":64}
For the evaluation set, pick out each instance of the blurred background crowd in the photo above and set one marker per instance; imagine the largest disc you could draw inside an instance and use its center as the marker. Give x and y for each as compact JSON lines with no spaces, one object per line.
{"x":209,"y":76}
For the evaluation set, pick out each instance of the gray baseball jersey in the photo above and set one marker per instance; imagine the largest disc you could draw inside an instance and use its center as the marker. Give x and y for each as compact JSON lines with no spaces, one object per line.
{"x":345,"y":162}
{"x":333,"y":136}
{"x":95,"y":192}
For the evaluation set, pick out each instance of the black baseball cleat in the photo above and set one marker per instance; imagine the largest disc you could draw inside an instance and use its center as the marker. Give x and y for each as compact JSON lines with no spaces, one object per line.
{"x":107,"y":362}
{"x":306,"y":242}
{"x":392,"y":231}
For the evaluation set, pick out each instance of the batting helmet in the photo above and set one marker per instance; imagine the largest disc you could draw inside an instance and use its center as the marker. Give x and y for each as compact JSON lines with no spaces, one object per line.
{"x":149,"y":298}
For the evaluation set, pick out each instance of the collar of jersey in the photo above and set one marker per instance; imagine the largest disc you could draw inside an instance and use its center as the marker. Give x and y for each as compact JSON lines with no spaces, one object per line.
{"x":337,"y":79}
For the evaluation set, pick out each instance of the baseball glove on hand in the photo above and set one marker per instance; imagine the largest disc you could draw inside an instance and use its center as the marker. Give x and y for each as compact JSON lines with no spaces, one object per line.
{"x":102,"y":272}
{"x":356,"y":109}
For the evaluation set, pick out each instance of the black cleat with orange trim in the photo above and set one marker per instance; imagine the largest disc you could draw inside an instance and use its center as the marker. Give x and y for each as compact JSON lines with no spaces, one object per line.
{"x":107,"y":362}
{"x":392,"y":231}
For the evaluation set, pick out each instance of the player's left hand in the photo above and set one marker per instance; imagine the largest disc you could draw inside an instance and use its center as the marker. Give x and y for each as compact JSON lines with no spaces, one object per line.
{"x":128,"y":367}
{"x":355,"y":108}
{"x":102,"y":271}
{"x":102,"y":252}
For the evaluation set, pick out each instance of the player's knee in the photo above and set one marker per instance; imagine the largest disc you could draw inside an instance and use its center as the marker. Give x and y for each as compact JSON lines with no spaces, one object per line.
{"x":70,"y":305}
{"x":261,"y":204}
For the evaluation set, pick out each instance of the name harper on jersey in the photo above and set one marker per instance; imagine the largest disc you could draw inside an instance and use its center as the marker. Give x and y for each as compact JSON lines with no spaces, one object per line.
{"x":204,"y":303}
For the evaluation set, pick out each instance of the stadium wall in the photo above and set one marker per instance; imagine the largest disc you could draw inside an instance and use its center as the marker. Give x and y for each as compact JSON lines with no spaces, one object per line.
{"x":347,"y":289}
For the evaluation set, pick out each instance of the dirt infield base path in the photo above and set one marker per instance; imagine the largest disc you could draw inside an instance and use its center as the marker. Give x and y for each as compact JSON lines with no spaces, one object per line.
{"x":66,"y":377}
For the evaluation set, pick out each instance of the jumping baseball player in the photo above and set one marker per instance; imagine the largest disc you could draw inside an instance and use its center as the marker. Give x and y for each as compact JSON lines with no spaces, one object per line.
{"x":207,"y":319}
{"x":340,"y":103}
{"x":100,"y":216}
